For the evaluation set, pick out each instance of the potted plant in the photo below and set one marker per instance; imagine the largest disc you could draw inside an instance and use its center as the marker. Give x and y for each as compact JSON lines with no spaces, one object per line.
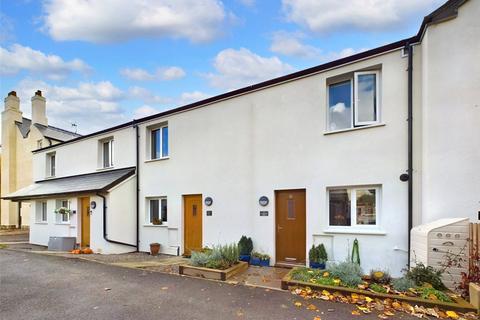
{"x":317,"y":256}
{"x":260,"y":259}
{"x":245,"y":246}
{"x":63,"y":210}
{"x":154,"y":248}
{"x":156,"y":222}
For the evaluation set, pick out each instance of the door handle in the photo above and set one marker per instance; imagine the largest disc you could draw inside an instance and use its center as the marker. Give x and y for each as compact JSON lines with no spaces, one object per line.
{"x":279,"y":228}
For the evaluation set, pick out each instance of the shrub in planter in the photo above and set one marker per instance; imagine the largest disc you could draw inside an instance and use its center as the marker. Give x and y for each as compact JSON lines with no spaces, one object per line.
{"x":219,"y":257}
{"x":260,"y":259}
{"x":421,"y":274}
{"x":403,"y":284}
{"x":317,"y":256}
{"x":245,"y":247}
{"x":380,"y":276}
{"x":349,"y":273}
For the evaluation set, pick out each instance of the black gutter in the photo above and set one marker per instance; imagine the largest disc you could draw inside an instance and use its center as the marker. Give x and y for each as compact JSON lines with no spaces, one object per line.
{"x":409,"y":47}
{"x":137,"y":150}
{"x":105,"y":225}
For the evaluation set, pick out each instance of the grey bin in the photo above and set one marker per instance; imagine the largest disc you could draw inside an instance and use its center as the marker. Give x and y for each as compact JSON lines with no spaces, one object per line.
{"x":61,"y":243}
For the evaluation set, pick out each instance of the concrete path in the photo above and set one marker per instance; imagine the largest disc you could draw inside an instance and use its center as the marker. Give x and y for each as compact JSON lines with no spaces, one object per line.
{"x":34,"y":286}
{"x":14,"y":236}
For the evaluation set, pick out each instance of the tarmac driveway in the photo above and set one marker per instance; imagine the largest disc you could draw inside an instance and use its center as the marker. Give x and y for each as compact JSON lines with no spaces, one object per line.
{"x":34,"y":286}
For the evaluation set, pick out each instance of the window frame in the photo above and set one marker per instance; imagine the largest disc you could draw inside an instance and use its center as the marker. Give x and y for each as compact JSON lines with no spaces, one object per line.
{"x":160,"y":137}
{"x":148,"y":220}
{"x":60,"y":217}
{"x":353,"y":207}
{"x":353,"y":79}
{"x":51,"y":164}
{"x":356,"y":122}
{"x":111,"y":153}
{"x":42,"y":211}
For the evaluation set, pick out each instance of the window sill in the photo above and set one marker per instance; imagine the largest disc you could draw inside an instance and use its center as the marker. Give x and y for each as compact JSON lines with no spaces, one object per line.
{"x":105,"y":168}
{"x":41,"y":222}
{"x":62,"y":223}
{"x":159,"y":159}
{"x":354,"y":129}
{"x":355,"y":230}
{"x":164,"y":225}
{"x":50,"y":177}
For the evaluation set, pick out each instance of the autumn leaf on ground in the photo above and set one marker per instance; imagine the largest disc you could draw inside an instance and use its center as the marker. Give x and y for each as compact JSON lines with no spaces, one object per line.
{"x":355,"y":313}
{"x":164,"y":288}
{"x":311,"y":307}
{"x":317,"y":318}
{"x":298,"y":304}
{"x":382,"y":316}
{"x":452,"y":315}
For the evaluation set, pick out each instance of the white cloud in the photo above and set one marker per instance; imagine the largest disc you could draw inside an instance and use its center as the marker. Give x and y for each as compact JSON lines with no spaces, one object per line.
{"x":165,"y":73}
{"x":6,"y":31}
{"x":92,"y":106}
{"x":238,"y":68}
{"x":108,"y":21}
{"x":144,"y":111}
{"x":328,"y":15}
{"x":146,"y":95}
{"x":20,"y":58}
{"x":189,"y":97}
{"x":290,"y":44}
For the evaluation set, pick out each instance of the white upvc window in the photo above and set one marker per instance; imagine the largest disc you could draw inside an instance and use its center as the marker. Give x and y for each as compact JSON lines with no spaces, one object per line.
{"x":107,"y":153}
{"x":63,"y":218}
{"x":354,"y":101}
{"x":157,"y":211}
{"x":159,"y":148}
{"x":51,"y":164}
{"x":41,"y":212}
{"x":366,"y":98}
{"x":354,"y":206}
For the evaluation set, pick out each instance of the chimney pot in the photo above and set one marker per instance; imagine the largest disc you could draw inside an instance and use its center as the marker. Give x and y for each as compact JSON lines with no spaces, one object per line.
{"x":38,"y":93}
{"x":12,"y":93}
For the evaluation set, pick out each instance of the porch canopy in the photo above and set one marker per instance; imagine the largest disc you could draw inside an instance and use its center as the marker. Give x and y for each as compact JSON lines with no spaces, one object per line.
{"x":72,"y":185}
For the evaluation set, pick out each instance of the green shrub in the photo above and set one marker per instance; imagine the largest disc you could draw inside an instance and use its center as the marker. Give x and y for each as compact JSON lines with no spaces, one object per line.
{"x":349,"y":273}
{"x":433,"y":294}
{"x":304,"y":274}
{"x":219,"y":257}
{"x":421,"y":274}
{"x":380,"y":276}
{"x":377,"y":288}
{"x":245,"y":245}
{"x":313,"y":254}
{"x":318,"y":254}
{"x":260,"y":256}
{"x":403,"y":284}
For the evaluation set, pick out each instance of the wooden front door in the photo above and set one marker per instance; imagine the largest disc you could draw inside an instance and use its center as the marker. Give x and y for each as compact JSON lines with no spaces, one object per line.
{"x":85,"y":222}
{"x":290,"y":218}
{"x":192,"y":207}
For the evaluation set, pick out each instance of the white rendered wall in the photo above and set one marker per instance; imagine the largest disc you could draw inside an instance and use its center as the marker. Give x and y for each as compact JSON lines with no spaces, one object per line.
{"x":451,"y":117}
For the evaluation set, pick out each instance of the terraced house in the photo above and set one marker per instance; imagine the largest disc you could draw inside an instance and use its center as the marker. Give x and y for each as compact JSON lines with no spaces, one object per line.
{"x":364,"y":147}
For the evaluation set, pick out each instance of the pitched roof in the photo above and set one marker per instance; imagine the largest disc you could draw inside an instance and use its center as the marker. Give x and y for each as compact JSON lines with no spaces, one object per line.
{"x":72,"y":185}
{"x":446,"y":11}
{"x":47,"y":131}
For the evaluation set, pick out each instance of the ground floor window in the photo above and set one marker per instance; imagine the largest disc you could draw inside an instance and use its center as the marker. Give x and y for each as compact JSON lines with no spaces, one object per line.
{"x":357,"y":206}
{"x":63,"y":217}
{"x":157,"y":211}
{"x":41,"y":211}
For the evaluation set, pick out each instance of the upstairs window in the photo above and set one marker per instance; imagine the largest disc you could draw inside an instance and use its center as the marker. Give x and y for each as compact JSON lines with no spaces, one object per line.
{"x":51,"y":164}
{"x":157,"y":211}
{"x":107,"y":153}
{"x":159,"y":143}
{"x":354,"y":102}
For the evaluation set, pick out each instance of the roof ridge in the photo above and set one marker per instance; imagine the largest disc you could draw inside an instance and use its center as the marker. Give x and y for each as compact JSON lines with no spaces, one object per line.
{"x":54,"y":128}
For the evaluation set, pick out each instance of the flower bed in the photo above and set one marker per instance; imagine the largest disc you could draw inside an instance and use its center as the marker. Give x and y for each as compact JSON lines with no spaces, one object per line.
{"x":325,"y":282}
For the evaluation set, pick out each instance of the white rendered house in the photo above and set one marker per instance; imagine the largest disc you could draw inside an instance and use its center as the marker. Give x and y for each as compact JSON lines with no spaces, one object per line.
{"x":314,"y":156}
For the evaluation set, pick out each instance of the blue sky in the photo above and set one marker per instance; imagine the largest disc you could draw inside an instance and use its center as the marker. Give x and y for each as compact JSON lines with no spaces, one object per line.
{"x":100,"y":63}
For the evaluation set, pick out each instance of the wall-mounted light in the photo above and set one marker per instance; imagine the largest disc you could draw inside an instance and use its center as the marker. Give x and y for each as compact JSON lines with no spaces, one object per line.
{"x":208,"y":201}
{"x":93,"y":205}
{"x":263,"y":201}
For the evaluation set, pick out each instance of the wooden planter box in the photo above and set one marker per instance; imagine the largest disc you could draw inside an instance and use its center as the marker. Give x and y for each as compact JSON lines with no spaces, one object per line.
{"x":214,"y":274}
{"x":459,"y":304}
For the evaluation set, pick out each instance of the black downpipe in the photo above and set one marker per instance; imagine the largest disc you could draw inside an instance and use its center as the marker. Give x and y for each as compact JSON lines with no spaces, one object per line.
{"x":105,"y":224}
{"x":137,"y":171}
{"x":19,"y":213}
{"x":409,"y":47}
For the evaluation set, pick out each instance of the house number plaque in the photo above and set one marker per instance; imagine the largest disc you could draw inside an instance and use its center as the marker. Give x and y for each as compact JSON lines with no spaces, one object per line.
{"x":263,"y":213}
{"x":209,"y":213}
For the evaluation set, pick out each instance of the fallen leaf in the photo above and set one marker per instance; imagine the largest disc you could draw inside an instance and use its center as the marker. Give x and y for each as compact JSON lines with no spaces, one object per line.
{"x":382,"y":316}
{"x":298,"y":304}
{"x":164,"y":288}
{"x":107,"y":289}
{"x":355,"y":313}
{"x":311,"y":307}
{"x":317,"y":318}
{"x":368,"y":299}
{"x":452,"y":315}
